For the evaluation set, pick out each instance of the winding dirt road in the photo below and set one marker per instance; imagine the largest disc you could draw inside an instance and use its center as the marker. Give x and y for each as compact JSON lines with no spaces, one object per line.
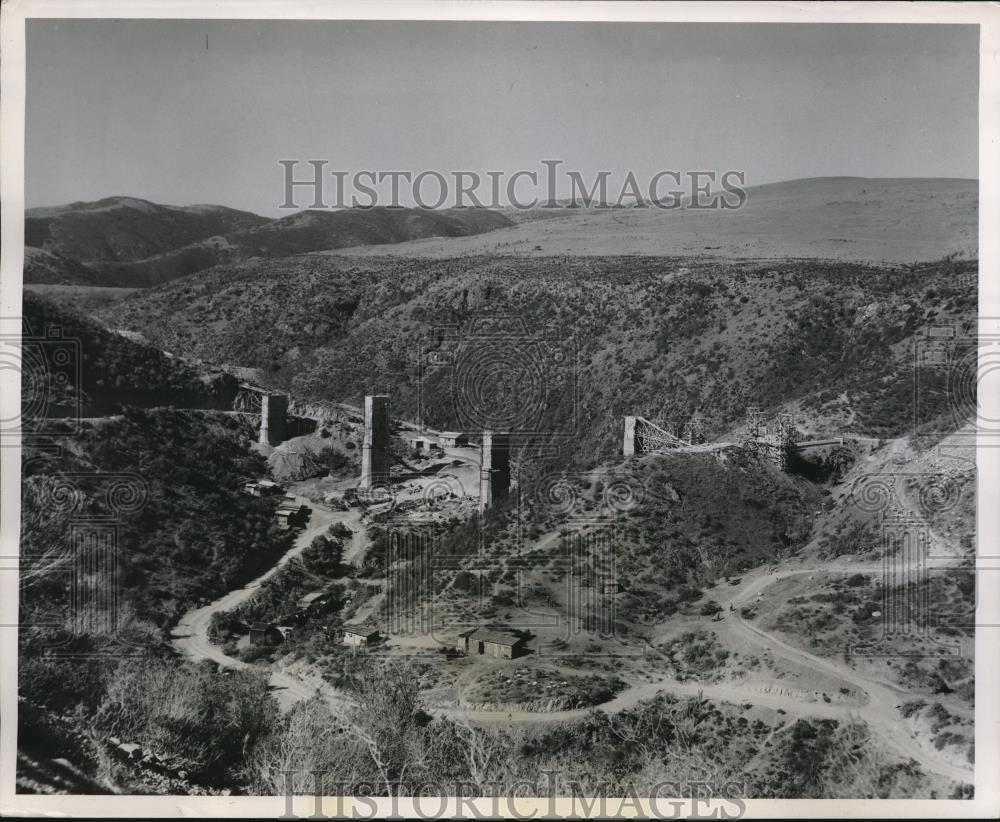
{"x":878,"y":710}
{"x":190,"y":637}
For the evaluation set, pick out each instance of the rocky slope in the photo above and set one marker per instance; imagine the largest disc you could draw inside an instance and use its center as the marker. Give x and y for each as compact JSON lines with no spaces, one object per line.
{"x":566,"y":346}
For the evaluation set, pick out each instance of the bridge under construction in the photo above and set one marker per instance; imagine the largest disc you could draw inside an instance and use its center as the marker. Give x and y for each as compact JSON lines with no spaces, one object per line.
{"x":774,"y":440}
{"x":645,"y":437}
{"x":263,"y":411}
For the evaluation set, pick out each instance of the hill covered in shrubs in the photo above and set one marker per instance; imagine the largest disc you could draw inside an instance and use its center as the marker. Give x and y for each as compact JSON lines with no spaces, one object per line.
{"x":570,"y":345}
{"x":126,"y":241}
{"x":79,"y":366}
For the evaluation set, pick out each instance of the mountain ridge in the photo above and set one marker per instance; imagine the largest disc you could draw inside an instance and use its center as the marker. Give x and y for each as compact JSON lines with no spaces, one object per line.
{"x":127,"y":241}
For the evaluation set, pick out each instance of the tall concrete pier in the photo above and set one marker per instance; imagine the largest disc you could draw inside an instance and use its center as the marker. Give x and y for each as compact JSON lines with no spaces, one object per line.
{"x":494,"y":469}
{"x":375,"y":445}
{"x":273,"y":418}
{"x":628,"y":445}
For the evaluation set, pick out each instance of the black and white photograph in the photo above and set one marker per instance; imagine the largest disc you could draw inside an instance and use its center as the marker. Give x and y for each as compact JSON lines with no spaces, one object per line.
{"x":490,"y":410}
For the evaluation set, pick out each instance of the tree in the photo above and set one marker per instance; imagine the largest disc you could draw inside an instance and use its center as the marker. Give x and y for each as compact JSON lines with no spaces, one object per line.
{"x":324,"y":557}
{"x":386,"y":720}
{"x":308,"y":741}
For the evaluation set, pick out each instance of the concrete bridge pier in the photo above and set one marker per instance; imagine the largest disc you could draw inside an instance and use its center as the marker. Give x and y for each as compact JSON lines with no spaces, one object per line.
{"x":494,"y":469}
{"x":375,"y":444}
{"x":273,"y":418}
{"x":628,"y":447}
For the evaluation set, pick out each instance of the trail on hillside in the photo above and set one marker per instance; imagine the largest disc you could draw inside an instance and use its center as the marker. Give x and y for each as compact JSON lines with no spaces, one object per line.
{"x":190,"y":637}
{"x":878,"y":711}
{"x":881,"y":698}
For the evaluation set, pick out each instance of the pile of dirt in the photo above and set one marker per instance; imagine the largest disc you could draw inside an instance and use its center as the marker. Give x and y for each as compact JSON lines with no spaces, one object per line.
{"x":298,"y":459}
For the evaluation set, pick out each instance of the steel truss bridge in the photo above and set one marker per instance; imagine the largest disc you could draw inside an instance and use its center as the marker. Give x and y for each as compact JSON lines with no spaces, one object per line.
{"x":642,"y":436}
{"x":650,"y":438}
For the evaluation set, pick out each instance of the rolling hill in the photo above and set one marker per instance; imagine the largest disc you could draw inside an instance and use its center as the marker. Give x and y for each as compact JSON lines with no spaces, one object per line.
{"x":50,"y":268}
{"x":124,"y":241}
{"x":841,"y":218}
{"x":123,"y":229}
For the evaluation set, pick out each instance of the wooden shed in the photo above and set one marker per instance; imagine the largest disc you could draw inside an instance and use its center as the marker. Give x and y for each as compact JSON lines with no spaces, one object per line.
{"x":360,"y":635}
{"x":268,"y":633}
{"x":494,"y":643}
{"x":453,"y":439}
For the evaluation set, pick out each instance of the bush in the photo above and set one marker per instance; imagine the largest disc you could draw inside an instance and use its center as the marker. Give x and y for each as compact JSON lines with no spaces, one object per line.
{"x":210,"y":720}
{"x":334,"y":460}
{"x":324,"y":557}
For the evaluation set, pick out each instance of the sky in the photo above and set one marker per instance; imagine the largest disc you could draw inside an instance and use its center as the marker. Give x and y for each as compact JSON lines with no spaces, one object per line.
{"x":185,"y":112}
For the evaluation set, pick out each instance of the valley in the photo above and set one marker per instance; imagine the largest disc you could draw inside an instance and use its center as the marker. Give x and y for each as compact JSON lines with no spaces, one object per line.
{"x":766,"y":618}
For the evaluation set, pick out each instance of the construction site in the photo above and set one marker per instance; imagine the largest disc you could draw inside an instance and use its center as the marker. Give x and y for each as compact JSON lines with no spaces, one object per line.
{"x":505,"y":624}
{"x":773,"y":440}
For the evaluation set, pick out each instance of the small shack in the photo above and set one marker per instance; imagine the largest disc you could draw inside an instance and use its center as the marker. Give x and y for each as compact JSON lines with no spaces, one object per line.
{"x":498,"y":644}
{"x":314,"y":598}
{"x":290,"y":514}
{"x":360,"y":635}
{"x":453,"y":439}
{"x":268,"y":633}
{"x":419,"y":442}
{"x":262,"y":488}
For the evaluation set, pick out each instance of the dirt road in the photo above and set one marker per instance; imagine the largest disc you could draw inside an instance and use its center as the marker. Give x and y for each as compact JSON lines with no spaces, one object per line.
{"x":736,"y":693}
{"x":878,"y":710}
{"x":190,"y":637}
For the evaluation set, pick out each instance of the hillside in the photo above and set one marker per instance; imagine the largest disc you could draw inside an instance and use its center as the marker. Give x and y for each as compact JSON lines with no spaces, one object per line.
{"x":183,"y":531}
{"x":124,"y":241}
{"x":48,"y":267}
{"x":118,"y":229}
{"x":171,"y":482}
{"x":662,"y":338}
{"x":106,"y":370}
{"x":841,"y":218}
{"x":669,"y":536}
{"x":681,"y":543}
